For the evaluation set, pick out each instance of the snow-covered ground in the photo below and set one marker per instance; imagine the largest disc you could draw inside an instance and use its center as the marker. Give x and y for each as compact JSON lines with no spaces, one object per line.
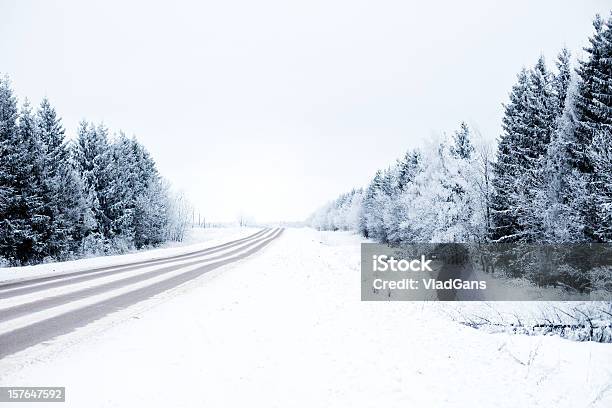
{"x":196,"y":239}
{"x":286,"y":328}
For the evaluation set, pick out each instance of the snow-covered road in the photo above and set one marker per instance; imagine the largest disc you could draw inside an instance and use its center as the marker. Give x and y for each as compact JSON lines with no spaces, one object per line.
{"x":39,"y":309}
{"x":286,"y":328}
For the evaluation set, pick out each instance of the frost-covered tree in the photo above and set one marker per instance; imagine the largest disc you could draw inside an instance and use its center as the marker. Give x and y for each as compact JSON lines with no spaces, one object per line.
{"x":30,"y":189}
{"x":542,"y":118}
{"x":179,"y":216}
{"x":593,"y":101}
{"x":562,"y":78}
{"x":441,"y":200}
{"x":528,"y":124}
{"x":341,"y":214}
{"x":127,"y":201}
{"x":21,"y":221}
{"x":601,"y":187}
{"x":427,"y":196}
{"x":8,"y":130}
{"x":408,"y":168}
{"x":506,"y":169}
{"x":149,"y":197}
{"x":550,"y":180}
{"x":558,"y":185}
{"x":592,"y":131}
{"x":374,"y":202}
{"x":462,"y":145}
{"x":62,"y":198}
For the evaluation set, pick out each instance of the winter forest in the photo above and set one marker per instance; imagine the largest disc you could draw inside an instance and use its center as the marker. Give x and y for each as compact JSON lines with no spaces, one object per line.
{"x":548,"y":179}
{"x":66,"y":198}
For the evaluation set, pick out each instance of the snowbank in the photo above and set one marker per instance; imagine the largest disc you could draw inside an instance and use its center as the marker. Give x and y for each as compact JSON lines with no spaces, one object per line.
{"x":197,"y":239}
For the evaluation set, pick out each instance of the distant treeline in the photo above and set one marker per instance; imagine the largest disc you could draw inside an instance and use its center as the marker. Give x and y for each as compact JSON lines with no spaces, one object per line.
{"x":61,"y":199}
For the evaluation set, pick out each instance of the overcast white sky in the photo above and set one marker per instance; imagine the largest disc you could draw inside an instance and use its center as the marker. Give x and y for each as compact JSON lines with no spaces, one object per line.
{"x":272,"y":108}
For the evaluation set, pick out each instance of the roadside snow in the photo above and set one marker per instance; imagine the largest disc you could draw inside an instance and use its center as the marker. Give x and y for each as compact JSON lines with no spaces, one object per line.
{"x":286,"y":328}
{"x":197,"y":239}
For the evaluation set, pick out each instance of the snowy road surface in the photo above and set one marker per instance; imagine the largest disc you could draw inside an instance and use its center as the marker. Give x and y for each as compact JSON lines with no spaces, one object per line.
{"x":286,"y":328}
{"x":39,"y":309}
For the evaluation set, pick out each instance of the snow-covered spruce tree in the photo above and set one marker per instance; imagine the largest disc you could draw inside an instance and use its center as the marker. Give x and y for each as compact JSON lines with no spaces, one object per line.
{"x":8,"y":130}
{"x":396,"y":209}
{"x":84,"y":152}
{"x":29,"y":174}
{"x":562,"y":79}
{"x":559,"y":182}
{"x":132,"y":174}
{"x":93,"y":158}
{"x":368,"y":204}
{"x":123,"y":187}
{"x":21,"y":224}
{"x":506,"y":169}
{"x":62,"y":196}
{"x":528,"y":123}
{"x":408,"y":168}
{"x":542,"y":117}
{"x":151,"y":218}
{"x":59,"y":199}
{"x":149,"y":200}
{"x":600,"y":155}
{"x":439,"y":199}
{"x":127,"y":201}
{"x":376,"y":198}
{"x":592,"y":131}
{"x":462,"y":146}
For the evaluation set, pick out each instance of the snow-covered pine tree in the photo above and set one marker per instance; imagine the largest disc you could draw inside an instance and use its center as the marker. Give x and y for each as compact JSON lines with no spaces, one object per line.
{"x":122,"y":190}
{"x":21,"y":221}
{"x":528,"y":125}
{"x":600,"y":154}
{"x":151,"y":218}
{"x":371,"y":223}
{"x":558,"y":182}
{"x":593,"y":102}
{"x":30,"y":186}
{"x":441,"y":209}
{"x":541,"y":121}
{"x":8,"y":128}
{"x":150,"y":211}
{"x":593,"y":130}
{"x":562,"y":78}
{"x":62,"y":196}
{"x":408,"y":168}
{"x":462,"y":146}
{"x":93,"y":163}
{"x":506,"y":169}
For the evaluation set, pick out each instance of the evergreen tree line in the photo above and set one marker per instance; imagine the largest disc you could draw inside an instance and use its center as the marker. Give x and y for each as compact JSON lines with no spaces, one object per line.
{"x":60,"y":199}
{"x":548,"y":180}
